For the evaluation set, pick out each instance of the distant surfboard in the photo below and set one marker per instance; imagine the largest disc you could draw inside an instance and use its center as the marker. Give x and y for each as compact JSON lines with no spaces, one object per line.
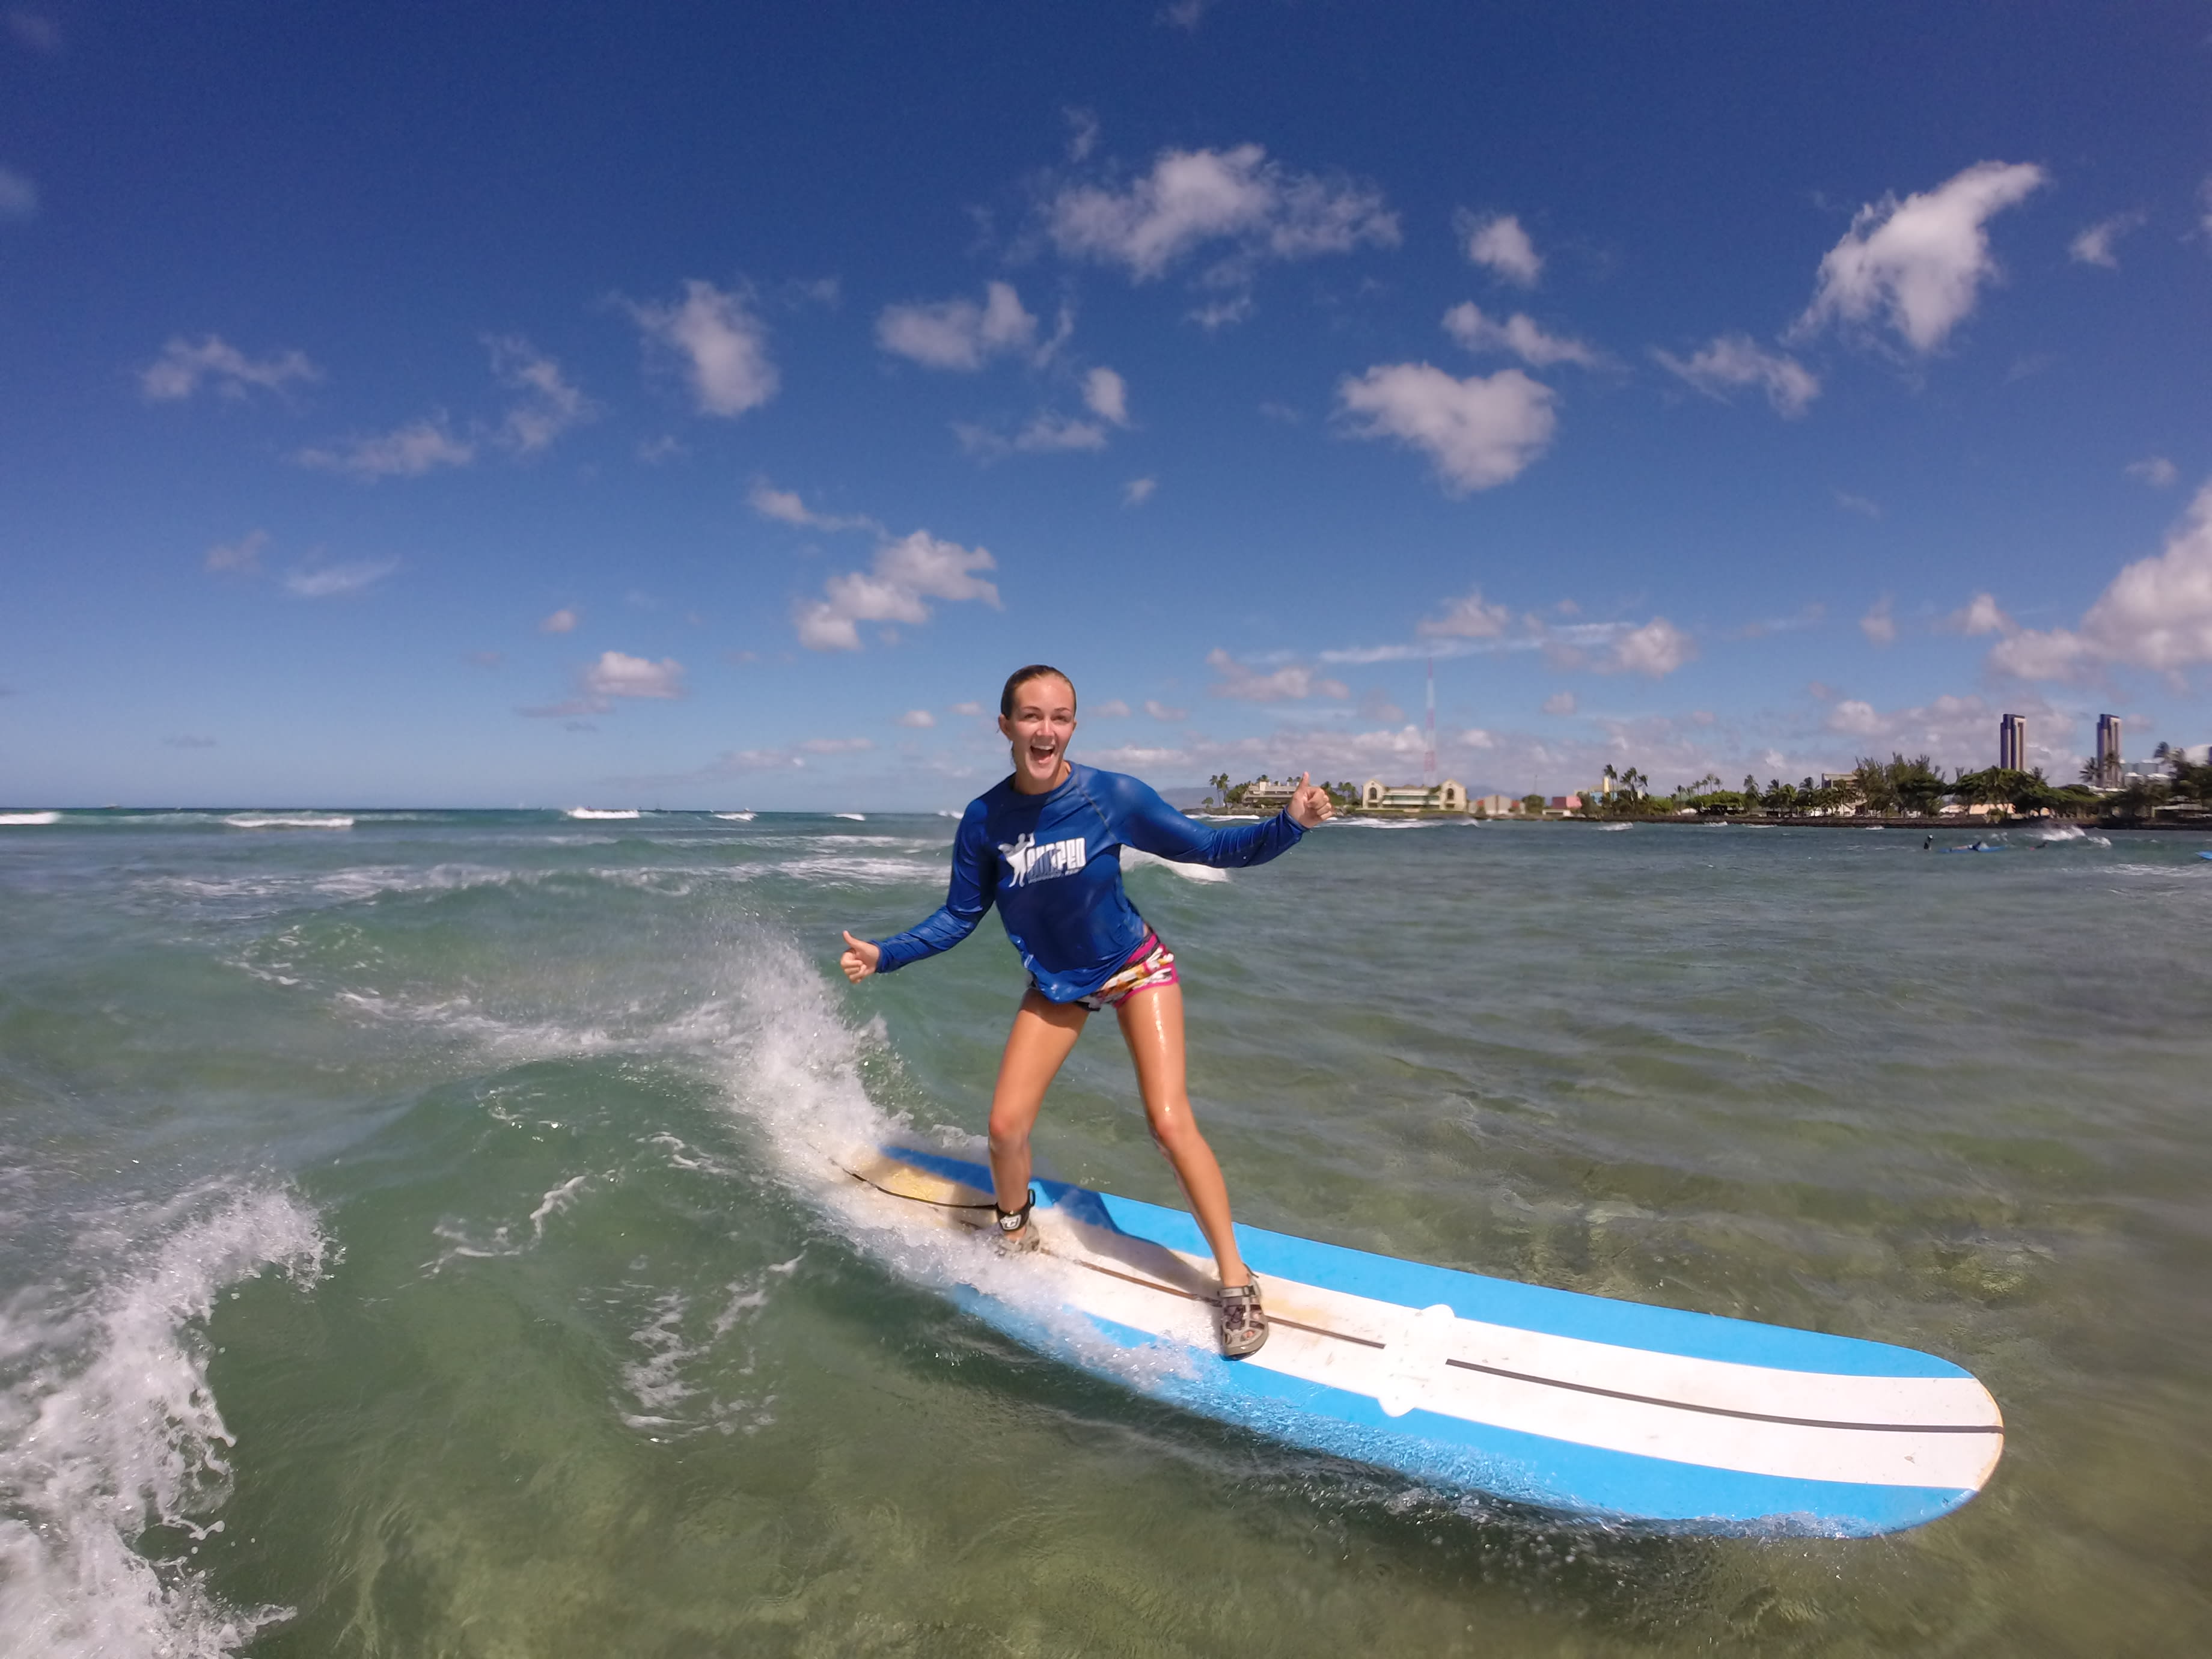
{"x":1973,"y":849}
{"x":1685,"y":1422}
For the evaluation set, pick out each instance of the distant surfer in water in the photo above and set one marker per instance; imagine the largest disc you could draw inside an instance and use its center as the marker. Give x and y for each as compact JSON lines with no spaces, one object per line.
{"x":1044,"y":846}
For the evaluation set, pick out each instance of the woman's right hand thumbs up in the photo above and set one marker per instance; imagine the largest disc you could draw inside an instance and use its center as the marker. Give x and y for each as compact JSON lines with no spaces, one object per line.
{"x":860,"y":959}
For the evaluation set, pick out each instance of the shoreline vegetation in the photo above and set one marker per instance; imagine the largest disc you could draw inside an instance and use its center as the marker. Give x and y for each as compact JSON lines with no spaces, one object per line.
{"x":2174,"y":792}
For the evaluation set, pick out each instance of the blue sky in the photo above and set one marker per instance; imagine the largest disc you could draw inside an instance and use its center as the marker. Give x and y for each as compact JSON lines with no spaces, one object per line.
{"x":706,"y":405}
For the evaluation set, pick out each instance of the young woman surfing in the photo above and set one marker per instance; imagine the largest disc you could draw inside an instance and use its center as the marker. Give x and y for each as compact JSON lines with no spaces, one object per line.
{"x":1045,"y":845}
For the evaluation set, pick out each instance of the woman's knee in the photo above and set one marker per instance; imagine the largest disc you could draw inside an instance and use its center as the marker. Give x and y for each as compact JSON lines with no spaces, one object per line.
{"x":1173,"y":1131}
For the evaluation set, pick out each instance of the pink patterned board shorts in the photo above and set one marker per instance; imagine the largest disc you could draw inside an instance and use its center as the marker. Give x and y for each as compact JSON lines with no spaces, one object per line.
{"x":1150,"y":965}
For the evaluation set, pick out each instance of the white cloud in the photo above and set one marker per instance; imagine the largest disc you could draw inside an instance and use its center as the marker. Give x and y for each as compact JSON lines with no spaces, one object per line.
{"x":1920,"y":263}
{"x":1857,"y":719}
{"x":1878,"y":625}
{"x":968,"y":710}
{"x":722,"y":345}
{"x":1186,"y":14}
{"x":35,"y":30}
{"x":1192,"y":198}
{"x":959,"y":334}
{"x":920,"y":720}
{"x":1733,"y":360}
{"x":1048,"y":433}
{"x":562,"y":621}
{"x":618,"y":675}
{"x":1955,"y":731}
{"x":2093,"y":246}
{"x":549,"y":404}
{"x":1480,"y":432}
{"x":1106,"y":395}
{"x":19,"y":196}
{"x":1287,"y":685}
{"x":2154,"y":471}
{"x":1559,"y":702}
{"x":1468,"y":618}
{"x":1519,"y":335}
{"x":1500,"y":246}
{"x":906,"y":574}
{"x":757,"y":760}
{"x":1112,"y":710}
{"x":838,"y":746}
{"x":407,"y":452}
{"x":1137,"y":491}
{"x":242,"y":555}
{"x":1375,"y":704}
{"x":1160,"y":711}
{"x":1981,"y":616}
{"x":338,"y":581}
{"x":1133,"y":757}
{"x":2156,"y":613}
{"x":182,"y":367}
{"x":1657,"y":648}
{"x":1082,"y":133}
{"x":1865,"y":506}
{"x":785,"y":507}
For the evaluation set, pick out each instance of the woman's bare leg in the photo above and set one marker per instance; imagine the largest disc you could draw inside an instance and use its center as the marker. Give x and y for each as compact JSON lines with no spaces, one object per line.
{"x":1152,"y":1025}
{"x":1043,"y":1034}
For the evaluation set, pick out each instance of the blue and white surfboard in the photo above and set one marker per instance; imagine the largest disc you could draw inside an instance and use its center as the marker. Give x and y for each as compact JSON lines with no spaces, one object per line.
{"x":1612,"y":1410}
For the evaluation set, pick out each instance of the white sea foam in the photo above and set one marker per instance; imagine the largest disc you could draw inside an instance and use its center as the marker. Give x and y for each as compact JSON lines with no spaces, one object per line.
{"x":288,"y":820}
{"x":675,"y":1367}
{"x":29,"y":819}
{"x":460,"y":1242}
{"x":108,"y":1430}
{"x":605,"y":812}
{"x":792,"y":1068}
{"x":1614,"y":829}
{"x":738,"y":818}
{"x":856,"y":872}
{"x":857,"y":817}
{"x":2061,"y":833}
{"x":459,"y":1018}
{"x":1133,"y":859}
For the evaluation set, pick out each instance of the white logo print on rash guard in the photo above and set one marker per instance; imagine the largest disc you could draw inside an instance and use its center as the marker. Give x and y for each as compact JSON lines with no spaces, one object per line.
{"x":1026,"y":862}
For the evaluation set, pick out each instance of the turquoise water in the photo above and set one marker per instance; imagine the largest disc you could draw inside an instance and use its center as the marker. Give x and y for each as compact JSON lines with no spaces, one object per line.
{"x":421,"y":1237}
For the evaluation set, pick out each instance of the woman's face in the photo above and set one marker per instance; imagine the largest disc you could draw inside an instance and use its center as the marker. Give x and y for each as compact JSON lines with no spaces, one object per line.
{"x":1039,"y":729}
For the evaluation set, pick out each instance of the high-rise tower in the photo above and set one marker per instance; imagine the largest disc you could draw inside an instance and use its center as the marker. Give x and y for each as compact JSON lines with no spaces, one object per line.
{"x":2108,"y":751}
{"x":1429,"y":757}
{"x":2012,"y":744}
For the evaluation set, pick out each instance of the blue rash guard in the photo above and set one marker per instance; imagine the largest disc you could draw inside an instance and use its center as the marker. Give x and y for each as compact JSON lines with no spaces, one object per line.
{"x":1052,"y":865}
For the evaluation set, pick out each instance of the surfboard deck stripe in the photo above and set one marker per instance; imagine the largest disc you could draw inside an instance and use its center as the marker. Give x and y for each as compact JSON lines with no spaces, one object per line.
{"x":1552,"y":1397}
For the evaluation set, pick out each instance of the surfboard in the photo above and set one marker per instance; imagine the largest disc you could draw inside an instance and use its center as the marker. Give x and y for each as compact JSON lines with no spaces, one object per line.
{"x":1973,"y":849}
{"x":1610,"y":1410}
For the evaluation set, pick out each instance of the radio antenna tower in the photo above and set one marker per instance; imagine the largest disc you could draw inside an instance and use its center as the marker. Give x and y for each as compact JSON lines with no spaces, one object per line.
{"x":1429,"y":759}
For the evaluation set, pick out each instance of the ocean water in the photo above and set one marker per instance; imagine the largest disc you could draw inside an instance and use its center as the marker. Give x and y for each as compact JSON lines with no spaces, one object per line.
{"x":421,"y":1237}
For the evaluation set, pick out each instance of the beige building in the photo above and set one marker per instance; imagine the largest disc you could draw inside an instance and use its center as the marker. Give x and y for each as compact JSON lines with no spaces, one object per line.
{"x":1266,"y":795}
{"x":1497,"y":807}
{"x":1448,"y":796}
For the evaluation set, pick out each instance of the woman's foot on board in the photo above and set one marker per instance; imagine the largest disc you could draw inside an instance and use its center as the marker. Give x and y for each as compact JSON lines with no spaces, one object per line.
{"x":1243,"y":1321}
{"x":1013,"y":1232}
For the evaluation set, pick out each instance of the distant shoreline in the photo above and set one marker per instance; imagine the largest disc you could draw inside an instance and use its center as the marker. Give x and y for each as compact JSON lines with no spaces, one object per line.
{"x":1926,"y":826}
